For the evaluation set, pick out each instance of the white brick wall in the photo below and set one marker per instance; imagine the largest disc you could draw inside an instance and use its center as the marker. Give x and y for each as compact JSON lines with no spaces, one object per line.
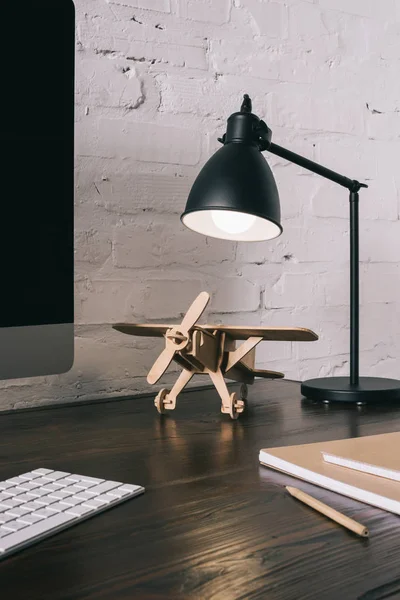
{"x":155,"y":82}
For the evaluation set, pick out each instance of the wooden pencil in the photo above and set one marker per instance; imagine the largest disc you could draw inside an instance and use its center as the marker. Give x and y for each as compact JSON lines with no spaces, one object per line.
{"x":329,"y":512}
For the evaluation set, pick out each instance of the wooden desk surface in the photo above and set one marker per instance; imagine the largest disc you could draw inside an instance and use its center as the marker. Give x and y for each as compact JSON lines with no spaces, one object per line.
{"x":212,"y":524}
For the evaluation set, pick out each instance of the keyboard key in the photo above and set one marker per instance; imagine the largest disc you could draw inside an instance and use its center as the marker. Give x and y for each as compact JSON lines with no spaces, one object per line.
{"x":60,"y":494}
{"x":118,"y":493}
{"x":5,"y":518}
{"x":79,"y":511}
{"x":73,"y":489}
{"x":84,"y":485}
{"x":45,"y":501}
{"x":62,"y":483}
{"x":59,"y":485}
{"x":51,"y":487}
{"x":12,"y":491}
{"x":84,"y":496}
{"x":11,"y":502}
{"x":3,"y":496}
{"x":24,"y":497}
{"x":29,"y":485}
{"x":33,"y":531}
{"x":31,"y":506}
{"x":15,"y":512}
{"x":126,"y":487}
{"x":4,"y":485}
{"x":42,"y":471}
{"x":39,"y":482}
{"x":18,"y":489}
{"x":29,"y":519}
{"x":105,"y":487}
{"x":44,"y":513}
{"x":29,"y":476}
{"x":98,"y":502}
{"x":15,"y":480}
{"x":93,"y":480}
{"x":55,"y":475}
{"x":74,"y":478}
{"x":37,"y":493}
{"x":57,"y":507}
{"x":4,"y":533}
{"x":68,"y":480}
{"x":71,"y":501}
{"x":13,"y":526}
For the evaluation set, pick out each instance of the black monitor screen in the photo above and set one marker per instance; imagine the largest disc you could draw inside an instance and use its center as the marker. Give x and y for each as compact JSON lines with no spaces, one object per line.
{"x":36,"y":141}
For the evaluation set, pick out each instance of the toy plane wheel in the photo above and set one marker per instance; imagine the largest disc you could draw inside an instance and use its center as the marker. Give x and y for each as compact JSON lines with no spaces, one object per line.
{"x":159,"y":401}
{"x":237,"y":406}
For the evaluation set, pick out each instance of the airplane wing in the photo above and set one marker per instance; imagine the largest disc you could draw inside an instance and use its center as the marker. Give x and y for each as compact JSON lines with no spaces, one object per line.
{"x":282,"y":334}
{"x":144,"y":330}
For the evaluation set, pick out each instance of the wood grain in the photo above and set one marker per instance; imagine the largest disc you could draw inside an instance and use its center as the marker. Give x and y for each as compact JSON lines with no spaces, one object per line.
{"x":212,"y":524}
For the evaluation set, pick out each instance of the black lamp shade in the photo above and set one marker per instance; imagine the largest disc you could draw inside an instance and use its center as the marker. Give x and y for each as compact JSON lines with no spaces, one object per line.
{"x":235,"y":196}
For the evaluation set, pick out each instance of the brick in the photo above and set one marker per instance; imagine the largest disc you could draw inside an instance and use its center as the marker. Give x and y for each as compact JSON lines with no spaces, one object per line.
{"x":379,"y":283}
{"x":294,"y":290}
{"x":167,"y":243}
{"x":244,"y":56}
{"x":193,"y":57}
{"x":303,"y":109}
{"x":102,"y":82}
{"x":183,"y":95}
{"x":355,"y":159}
{"x":270,"y":19}
{"x":306,"y":22}
{"x":366,"y":8}
{"x":157,"y":5}
{"x":271,"y":251}
{"x":380,"y":241}
{"x":384,"y":125}
{"x":307,"y":61}
{"x":312,"y":242}
{"x":128,"y":192}
{"x":296,"y":188}
{"x":379,"y":326}
{"x":92,"y":246}
{"x":105,"y":301}
{"x":144,"y":142}
{"x":236,"y":294}
{"x":207,"y":11}
{"x":331,"y":324}
{"x":331,"y":201}
{"x":169,"y":298}
{"x":269,"y":353}
{"x":335,"y":286}
{"x":138,"y":49}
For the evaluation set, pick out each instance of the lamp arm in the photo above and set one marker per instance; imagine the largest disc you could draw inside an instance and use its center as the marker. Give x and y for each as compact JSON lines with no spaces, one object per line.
{"x":350,"y":184}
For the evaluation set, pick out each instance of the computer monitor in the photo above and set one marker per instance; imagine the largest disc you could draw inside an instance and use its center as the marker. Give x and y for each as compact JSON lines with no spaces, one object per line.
{"x":36,"y":188}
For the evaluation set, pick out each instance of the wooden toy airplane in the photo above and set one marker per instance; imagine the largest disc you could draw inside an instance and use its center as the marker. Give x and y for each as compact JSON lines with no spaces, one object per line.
{"x":211,"y":349}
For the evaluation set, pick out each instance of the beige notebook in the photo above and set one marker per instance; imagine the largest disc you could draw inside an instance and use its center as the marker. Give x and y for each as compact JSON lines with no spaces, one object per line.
{"x":378,"y":451}
{"x":375,"y":454}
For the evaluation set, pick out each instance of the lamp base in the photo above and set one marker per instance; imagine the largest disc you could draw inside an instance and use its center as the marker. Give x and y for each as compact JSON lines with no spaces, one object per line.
{"x":339,"y":389}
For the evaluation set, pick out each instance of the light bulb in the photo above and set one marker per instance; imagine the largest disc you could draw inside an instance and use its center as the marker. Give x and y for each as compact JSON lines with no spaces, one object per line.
{"x":232,"y":221}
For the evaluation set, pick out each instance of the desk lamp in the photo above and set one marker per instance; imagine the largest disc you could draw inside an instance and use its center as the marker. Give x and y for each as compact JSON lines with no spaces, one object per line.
{"x":235,"y":197}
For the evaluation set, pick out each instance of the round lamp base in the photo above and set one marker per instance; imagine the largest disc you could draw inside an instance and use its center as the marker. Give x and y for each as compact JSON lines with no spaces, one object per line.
{"x":339,"y":389}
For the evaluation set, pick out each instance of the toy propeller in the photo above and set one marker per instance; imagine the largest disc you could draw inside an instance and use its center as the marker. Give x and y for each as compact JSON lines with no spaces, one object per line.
{"x":177,"y":338}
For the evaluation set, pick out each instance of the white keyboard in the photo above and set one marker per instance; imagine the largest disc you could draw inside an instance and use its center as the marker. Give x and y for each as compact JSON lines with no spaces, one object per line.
{"x":40,"y":503}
